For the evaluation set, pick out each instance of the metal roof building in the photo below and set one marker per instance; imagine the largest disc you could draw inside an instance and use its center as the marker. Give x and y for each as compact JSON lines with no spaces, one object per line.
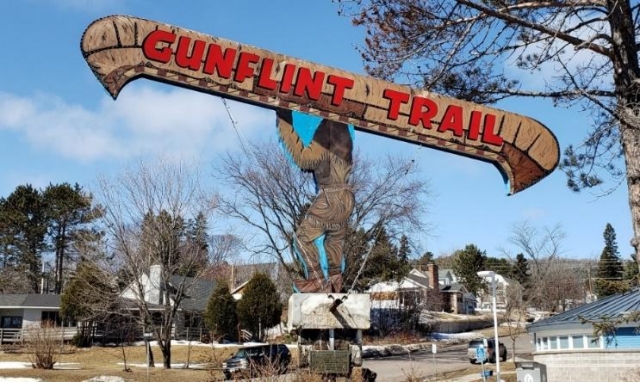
{"x":571,"y":350}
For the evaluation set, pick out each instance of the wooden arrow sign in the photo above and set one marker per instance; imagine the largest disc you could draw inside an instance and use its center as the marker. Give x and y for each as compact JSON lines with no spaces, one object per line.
{"x":120,"y":49}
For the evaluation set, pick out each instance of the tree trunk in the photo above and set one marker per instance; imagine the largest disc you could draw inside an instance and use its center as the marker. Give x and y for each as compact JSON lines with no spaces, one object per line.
{"x":166,"y":354}
{"x":626,"y":73}
{"x":631,"y":146}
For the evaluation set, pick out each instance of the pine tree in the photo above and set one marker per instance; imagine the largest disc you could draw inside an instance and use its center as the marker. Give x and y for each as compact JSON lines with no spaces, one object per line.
{"x":69,"y":212}
{"x":25,"y":220}
{"x":466,"y":265}
{"x":220,"y":316}
{"x":260,"y":307}
{"x":520,"y":270}
{"x":610,"y":271}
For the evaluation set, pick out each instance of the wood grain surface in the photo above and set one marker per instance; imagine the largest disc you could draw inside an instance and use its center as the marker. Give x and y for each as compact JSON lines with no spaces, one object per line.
{"x":119,"y":49}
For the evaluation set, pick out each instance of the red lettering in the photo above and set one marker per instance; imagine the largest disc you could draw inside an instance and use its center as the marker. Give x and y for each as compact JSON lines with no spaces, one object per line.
{"x":474,"y":125}
{"x":418,"y":114}
{"x":244,"y":70}
{"x":488,"y":135}
{"x":309,"y":83}
{"x":150,"y":45}
{"x":395,"y":100}
{"x":264,"y":79}
{"x":452,"y":120}
{"x":287,"y":78}
{"x":183,"y":59}
{"x":340,"y":84}
{"x":221,"y":63}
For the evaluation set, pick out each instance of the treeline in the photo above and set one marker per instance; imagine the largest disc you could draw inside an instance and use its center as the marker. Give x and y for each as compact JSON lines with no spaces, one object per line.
{"x":40,"y":225}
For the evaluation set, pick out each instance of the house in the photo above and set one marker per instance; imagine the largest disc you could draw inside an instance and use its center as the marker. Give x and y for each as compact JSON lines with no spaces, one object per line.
{"x":241,"y":274}
{"x":567,"y":345}
{"x":419,"y":286}
{"x":502,"y":293}
{"x":447,"y":277}
{"x":26,"y":311}
{"x":189,"y":319}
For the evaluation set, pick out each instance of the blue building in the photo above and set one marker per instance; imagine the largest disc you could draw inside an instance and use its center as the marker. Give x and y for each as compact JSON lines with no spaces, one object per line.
{"x":567,"y":345}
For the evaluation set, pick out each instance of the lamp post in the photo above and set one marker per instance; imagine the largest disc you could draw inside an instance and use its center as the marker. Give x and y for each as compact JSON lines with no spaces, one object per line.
{"x":496,"y":345}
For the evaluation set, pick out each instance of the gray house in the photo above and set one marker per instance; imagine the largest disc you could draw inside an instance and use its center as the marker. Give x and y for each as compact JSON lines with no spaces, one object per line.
{"x":29,"y":311}
{"x":572,"y":352}
{"x":189,"y":322}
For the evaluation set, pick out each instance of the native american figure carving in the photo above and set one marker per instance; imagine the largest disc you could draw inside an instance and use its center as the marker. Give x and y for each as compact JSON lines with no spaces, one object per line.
{"x":320,"y":235}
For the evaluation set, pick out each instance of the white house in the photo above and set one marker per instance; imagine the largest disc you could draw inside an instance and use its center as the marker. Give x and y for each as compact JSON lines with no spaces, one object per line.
{"x":192,"y":306}
{"x":26,"y":311}
{"x":502,"y":292}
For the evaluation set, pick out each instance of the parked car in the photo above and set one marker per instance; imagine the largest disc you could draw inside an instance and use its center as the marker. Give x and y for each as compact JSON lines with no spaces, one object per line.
{"x":255,"y":359}
{"x":489,"y":353}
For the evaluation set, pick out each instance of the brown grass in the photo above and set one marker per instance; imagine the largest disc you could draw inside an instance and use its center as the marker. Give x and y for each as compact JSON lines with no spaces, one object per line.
{"x":98,"y":361}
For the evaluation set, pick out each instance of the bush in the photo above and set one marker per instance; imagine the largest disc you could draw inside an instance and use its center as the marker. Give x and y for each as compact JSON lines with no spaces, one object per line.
{"x":81,"y":341}
{"x":45,"y":344}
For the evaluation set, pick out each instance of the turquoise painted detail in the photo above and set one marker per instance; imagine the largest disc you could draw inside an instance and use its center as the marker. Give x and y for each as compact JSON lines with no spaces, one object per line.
{"x":322,"y":256}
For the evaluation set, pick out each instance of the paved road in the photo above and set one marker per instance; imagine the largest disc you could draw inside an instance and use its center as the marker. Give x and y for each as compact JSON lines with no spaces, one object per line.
{"x":422,"y":364}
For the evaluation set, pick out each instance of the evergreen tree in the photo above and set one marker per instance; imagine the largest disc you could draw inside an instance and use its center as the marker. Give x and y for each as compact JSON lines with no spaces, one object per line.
{"x":69,"y":212}
{"x":198,"y":238}
{"x":220,"y":316}
{"x":426,"y":258}
{"x":520,"y":270}
{"x":89,"y":297}
{"x":24,"y":220}
{"x":466,"y":265}
{"x":610,"y":270}
{"x":498,"y":265}
{"x":260,"y":307}
{"x":382,"y":264}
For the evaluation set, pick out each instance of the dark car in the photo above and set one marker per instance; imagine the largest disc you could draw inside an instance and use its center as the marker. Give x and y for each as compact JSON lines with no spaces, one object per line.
{"x":257,"y":359}
{"x":489,"y":353}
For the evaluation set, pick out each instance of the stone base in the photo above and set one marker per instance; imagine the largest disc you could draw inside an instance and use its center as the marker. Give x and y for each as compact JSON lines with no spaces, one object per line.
{"x":329,"y":311}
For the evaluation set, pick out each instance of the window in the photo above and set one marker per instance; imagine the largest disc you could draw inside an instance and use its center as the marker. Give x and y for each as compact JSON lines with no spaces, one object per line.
{"x":545,"y":345}
{"x":53,"y":318}
{"x":553,"y":343}
{"x":578,"y":342}
{"x":11,"y":322}
{"x":563,"y":342}
{"x":593,"y":342}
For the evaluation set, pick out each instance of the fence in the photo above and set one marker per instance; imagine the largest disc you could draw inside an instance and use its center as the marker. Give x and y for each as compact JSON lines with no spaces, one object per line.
{"x":19,"y":336}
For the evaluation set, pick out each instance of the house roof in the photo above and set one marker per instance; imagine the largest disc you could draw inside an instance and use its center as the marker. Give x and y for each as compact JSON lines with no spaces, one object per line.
{"x":613,"y":307}
{"x":453,"y":288}
{"x":197,"y":294}
{"x":49,"y":301}
{"x":418,"y":279}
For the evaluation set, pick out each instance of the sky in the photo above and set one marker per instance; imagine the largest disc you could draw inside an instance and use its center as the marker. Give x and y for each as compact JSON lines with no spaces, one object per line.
{"x":57,"y":123}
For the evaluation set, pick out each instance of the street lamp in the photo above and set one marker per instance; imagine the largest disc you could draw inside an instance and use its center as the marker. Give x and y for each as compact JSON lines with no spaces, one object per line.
{"x":496,"y":345}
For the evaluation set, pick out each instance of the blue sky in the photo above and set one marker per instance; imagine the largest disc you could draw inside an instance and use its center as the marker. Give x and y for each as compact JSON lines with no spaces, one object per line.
{"x":57,"y":124}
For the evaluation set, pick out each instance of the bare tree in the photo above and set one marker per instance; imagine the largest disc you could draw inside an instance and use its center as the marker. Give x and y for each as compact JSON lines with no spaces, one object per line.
{"x":542,"y":246}
{"x":271,"y":195}
{"x":586,"y":52}
{"x":515,"y":314}
{"x":146,"y":207}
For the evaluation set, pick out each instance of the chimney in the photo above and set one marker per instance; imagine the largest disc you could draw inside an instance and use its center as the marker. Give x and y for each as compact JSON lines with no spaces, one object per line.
{"x":432,"y":272}
{"x":153,"y":288}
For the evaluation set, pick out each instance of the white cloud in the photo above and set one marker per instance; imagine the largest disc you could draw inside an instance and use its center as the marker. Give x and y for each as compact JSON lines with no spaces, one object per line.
{"x":143,"y":121}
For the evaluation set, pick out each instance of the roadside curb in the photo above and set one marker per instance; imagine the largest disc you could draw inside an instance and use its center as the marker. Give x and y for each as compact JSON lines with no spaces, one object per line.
{"x":380,"y":351}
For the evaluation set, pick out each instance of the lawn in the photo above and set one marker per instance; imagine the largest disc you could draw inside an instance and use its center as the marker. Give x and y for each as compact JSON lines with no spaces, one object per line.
{"x":83,"y":364}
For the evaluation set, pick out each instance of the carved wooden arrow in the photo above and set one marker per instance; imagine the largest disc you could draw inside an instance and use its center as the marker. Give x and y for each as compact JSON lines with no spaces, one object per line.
{"x":120,"y":49}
